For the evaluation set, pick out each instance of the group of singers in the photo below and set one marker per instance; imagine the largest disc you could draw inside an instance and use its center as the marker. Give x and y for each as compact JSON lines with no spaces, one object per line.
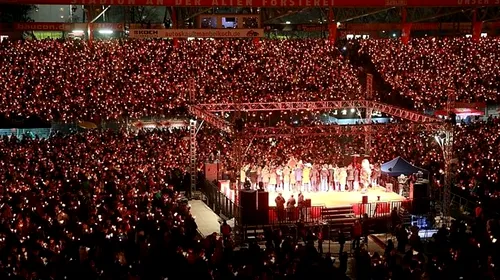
{"x":306,"y":177}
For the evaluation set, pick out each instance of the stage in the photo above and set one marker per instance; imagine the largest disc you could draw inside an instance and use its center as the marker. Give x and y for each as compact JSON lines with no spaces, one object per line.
{"x":333,"y":199}
{"x":374,"y":207}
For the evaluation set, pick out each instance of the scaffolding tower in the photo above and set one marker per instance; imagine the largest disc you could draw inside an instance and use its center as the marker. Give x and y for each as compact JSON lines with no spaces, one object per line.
{"x":368,"y":116}
{"x":448,"y":155}
{"x":192,"y":140}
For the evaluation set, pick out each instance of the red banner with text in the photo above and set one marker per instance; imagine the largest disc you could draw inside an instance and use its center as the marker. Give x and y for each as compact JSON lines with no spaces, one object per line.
{"x":266,"y":3}
{"x":58,"y":26}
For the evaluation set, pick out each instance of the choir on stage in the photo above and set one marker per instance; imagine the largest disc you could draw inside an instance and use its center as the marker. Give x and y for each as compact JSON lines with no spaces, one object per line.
{"x":296,"y":176}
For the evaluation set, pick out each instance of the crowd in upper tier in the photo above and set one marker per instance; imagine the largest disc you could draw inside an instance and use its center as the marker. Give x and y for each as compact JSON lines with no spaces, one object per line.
{"x":426,"y":68}
{"x":70,"y":80}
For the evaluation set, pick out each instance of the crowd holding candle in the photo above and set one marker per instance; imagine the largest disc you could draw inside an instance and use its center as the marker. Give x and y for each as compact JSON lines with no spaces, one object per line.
{"x":137,"y":78}
{"x":424,"y":70}
{"x":104,"y":204}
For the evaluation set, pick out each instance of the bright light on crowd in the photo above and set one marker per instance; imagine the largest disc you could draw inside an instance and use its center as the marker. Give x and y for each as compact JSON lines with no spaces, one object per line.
{"x":105,"y":31}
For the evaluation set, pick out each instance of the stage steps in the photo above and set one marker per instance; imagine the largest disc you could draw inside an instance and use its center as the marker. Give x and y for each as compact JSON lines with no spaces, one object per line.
{"x":405,"y":217}
{"x":339,"y":218}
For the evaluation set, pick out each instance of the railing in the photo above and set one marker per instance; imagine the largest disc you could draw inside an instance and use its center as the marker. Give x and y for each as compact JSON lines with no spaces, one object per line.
{"x":381,"y":209}
{"x":219,"y":202}
{"x":463,"y":204}
{"x":306,"y":215}
{"x":20,"y":132}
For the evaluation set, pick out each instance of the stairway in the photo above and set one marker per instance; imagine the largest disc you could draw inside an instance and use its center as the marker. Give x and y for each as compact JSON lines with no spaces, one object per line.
{"x":405,"y":217}
{"x":339,"y":218}
{"x":381,"y":88}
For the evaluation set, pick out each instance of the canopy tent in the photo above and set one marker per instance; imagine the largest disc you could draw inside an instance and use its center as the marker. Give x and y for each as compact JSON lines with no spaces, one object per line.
{"x":400,"y":166}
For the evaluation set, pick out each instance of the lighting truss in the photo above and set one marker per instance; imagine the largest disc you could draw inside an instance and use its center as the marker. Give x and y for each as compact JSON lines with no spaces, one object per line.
{"x":326,"y":130}
{"x":211,"y":118}
{"x":318,"y":106}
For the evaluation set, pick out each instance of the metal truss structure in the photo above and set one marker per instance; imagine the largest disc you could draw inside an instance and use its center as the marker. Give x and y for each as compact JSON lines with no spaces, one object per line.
{"x":210,"y":118}
{"x":192,"y":154}
{"x":447,"y":147}
{"x":368,"y":116}
{"x":204,"y":110}
{"x":328,"y":130}
{"x":415,"y":122}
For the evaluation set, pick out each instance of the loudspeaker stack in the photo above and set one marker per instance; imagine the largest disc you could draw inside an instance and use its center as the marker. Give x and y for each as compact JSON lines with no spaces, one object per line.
{"x":254,"y":207}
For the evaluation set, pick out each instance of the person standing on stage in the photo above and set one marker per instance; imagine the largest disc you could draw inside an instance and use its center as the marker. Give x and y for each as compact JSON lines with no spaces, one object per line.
{"x":336,"y":178}
{"x":343,"y":178}
{"x":259,"y":176}
{"x":286,"y":178}
{"x":293,"y":186}
{"x":376,"y":174}
{"x":350,"y":177}
{"x":243,"y":175}
{"x":355,"y":185}
{"x":331,"y":176}
{"x":253,"y":177}
{"x":324,"y":173}
{"x":302,"y":205}
{"x":298,"y":177}
{"x":272,"y":179}
{"x":290,"y":207}
{"x":265,"y":177}
{"x":315,"y":178}
{"x":306,"y":177}
{"x":280,"y":206}
{"x":279,"y":178}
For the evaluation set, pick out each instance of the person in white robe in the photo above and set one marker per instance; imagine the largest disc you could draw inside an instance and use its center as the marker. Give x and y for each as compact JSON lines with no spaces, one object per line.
{"x":336,"y":179}
{"x":293,"y":183}
{"x":343,"y":179}
{"x":272,"y":179}
{"x":279,"y":178}
{"x":265,"y":177}
{"x":286,"y":178}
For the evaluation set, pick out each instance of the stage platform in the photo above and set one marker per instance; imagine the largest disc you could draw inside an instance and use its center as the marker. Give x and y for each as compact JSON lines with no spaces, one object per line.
{"x":336,"y":199}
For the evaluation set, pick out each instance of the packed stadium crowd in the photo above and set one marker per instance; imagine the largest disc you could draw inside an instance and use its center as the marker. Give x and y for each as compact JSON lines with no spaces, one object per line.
{"x":104,"y":204}
{"x":136,"y":78}
{"x":424,"y":70}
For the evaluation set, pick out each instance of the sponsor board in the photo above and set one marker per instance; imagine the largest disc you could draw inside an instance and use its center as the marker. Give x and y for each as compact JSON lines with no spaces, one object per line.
{"x":196,"y":33}
{"x":59,"y":26}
